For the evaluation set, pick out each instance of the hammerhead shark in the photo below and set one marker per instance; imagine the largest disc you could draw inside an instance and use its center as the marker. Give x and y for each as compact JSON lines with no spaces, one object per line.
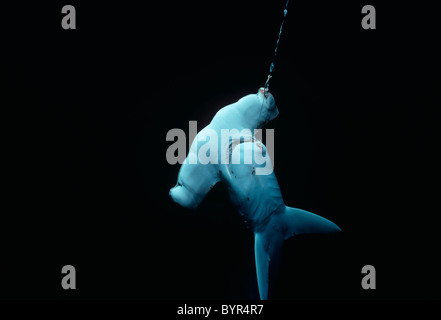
{"x":257,"y":197}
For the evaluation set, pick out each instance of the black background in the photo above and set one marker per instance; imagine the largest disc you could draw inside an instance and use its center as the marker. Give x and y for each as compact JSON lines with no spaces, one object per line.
{"x":85,"y":113}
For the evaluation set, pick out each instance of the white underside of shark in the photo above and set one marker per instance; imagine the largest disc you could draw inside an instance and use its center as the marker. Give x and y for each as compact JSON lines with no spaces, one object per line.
{"x":256,"y":197}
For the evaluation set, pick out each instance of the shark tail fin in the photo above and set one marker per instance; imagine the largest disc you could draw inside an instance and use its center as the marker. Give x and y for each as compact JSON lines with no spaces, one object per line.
{"x":268,"y":242}
{"x":267,"y":249}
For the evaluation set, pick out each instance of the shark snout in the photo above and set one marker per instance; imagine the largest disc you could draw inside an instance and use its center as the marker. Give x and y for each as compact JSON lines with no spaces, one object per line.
{"x":182,"y":196}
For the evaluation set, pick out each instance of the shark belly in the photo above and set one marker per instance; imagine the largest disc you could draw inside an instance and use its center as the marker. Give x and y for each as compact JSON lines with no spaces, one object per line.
{"x":256,"y":197}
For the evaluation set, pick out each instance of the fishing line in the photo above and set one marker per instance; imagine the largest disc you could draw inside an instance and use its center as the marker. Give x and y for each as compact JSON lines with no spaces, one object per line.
{"x":266,"y":86}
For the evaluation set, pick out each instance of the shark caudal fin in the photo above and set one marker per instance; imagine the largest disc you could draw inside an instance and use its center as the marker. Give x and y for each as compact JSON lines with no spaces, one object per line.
{"x":267,"y":249}
{"x":268,"y":242}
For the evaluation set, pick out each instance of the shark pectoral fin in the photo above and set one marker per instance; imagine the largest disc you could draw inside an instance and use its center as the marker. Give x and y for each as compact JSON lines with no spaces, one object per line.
{"x":297,"y":221}
{"x":267,"y":249}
